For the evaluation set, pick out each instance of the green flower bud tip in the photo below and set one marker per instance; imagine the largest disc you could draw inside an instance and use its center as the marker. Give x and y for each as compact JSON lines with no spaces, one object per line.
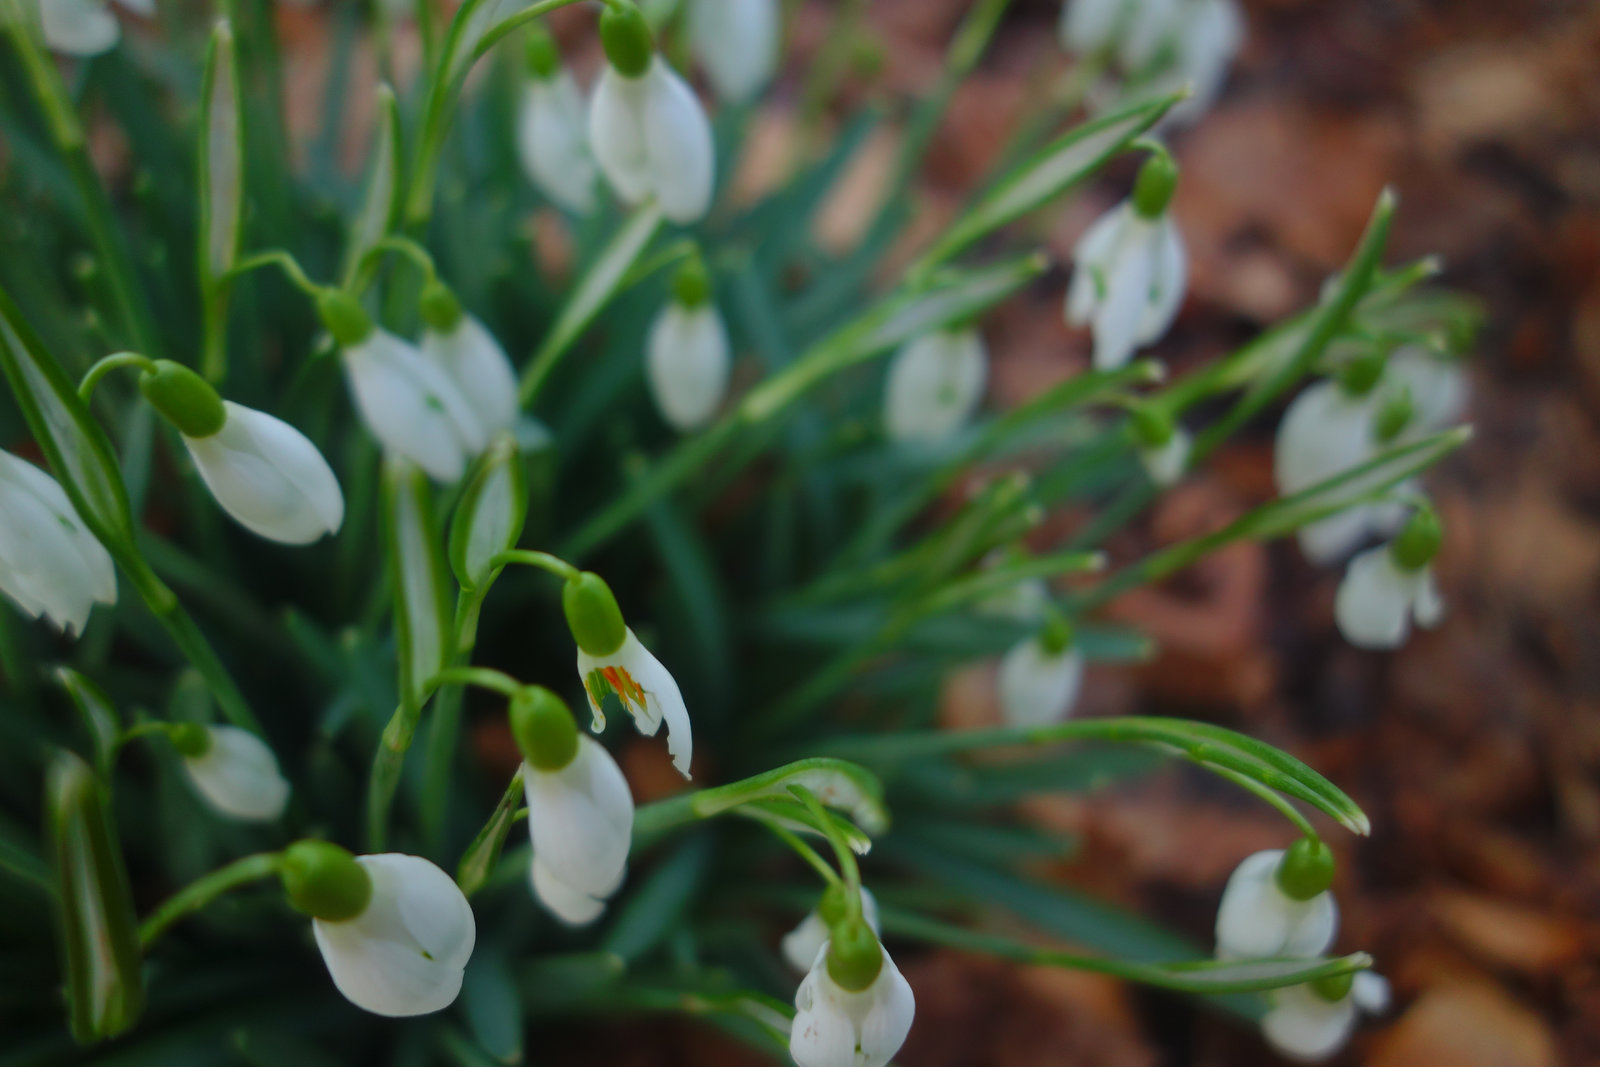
{"x":854,"y":955}
{"x":1394,"y":415}
{"x":1334,"y":987}
{"x":1152,"y":426}
{"x":1306,"y":869}
{"x":691,"y":286}
{"x":544,"y":58}
{"x":190,"y":739}
{"x":1153,"y":189}
{"x":592,"y":614}
{"x":543,"y":728}
{"x":184,"y":398}
{"x":626,"y":38}
{"x":325,"y":881}
{"x":1418,"y":541}
{"x":1361,"y":374}
{"x":1056,"y":636}
{"x":344,"y":317}
{"x":440,"y":308}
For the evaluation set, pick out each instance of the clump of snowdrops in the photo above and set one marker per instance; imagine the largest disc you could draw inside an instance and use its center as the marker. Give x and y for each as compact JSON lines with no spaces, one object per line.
{"x":317,"y":485}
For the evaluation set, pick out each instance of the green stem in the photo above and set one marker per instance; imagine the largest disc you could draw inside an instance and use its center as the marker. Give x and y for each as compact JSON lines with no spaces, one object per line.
{"x":542,"y":560}
{"x":841,"y":847}
{"x":404,"y":246}
{"x":482,"y":677}
{"x":1284,"y":808}
{"x":204,"y":890}
{"x":443,"y":735}
{"x":115,"y":361}
{"x":283,"y":260}
{"x":805,"y":851}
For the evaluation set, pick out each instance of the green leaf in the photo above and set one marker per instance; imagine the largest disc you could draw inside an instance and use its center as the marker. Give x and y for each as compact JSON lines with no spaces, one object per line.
{"x":99,"y":715}
{"x":551,"y":984}
{"x":477,"y":863}
{"x":837,"y":783}
{"x":490,"y":514}
{"x":221,"y":160}
{"x":658,"y":906}
{"x":419,"y":575}
{"x":492,"y":1006}
{"x":98,"y":931}
{"x":380,"y":203}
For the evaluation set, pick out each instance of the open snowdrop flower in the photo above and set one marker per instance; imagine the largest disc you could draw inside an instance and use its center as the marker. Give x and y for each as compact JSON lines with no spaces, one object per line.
{"x":687,"y":355}
{"x":611,"y":660}
{"x":1040,"y":676}
{"x":801,"y":945}
{"x":853,"y":1008}
{"x":647,"y":130}
{"x":737,"y":43}
{"x":1384,"y":589}
{"x":1162,"y":445}
{"x":935,"y":384}
{"x":552,"y":129}
{"x":1129,"y":272}
{"x":1313,"y":1021}
{"x":233,"y":770}
{"x":50,"y":564}
{"x":86,"y":27}
{"x":411,"y":406}
{"x":395,"y":931}
{"x":459,"y":345}
{"x":580,"y":812}
{"x":1277,"y":904}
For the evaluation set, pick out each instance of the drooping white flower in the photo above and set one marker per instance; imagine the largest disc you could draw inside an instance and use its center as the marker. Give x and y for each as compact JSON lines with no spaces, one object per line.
{"x":553,"y":142}
{"x":50,"y":564}
{"x":1039,"y":681}
{"x":269,"y":477}
{"x":1306,"y":1025}
{"x":737,"y":42}
{"x":404,"y":954}
{"x":1379,"y":597}
{"x":687,"y":360}
{"x":581,"y":820}
{"x":236,"y":772}
{"x":471,"y":357}
{"x":1436,"y":383}
{"x":647,"y":691}
{"x":837,"y":1027}
{"x":1326,"y":430}
{"x":1128,"y":281}
{"x":652,"y":139}
{"x":85,"y":27}
{"x":1166,"y":463}
{"x":411,"y":406}
{"x":801,"y":945}
{"x":935,"y":384}
{"x":1257,"y":919}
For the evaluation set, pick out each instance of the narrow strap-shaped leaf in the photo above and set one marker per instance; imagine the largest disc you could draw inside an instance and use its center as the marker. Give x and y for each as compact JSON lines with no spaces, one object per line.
{"x":99,"y":715}
{"x":477,"y":863}
{"x":380,"y":201}
{"x":420,"y":578}
{"x":221,"y":191}
{"x":659,"y":905}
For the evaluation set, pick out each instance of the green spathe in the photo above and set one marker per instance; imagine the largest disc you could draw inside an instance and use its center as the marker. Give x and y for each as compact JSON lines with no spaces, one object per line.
{"x":543,"y":727}
{"x":344,"y":317}
{"x":1153,"y":189}
{"x":593,"y":615}
{"x":691,"y":286}
{"x":440,"y":308}
{"x":190,"y":739}
{"x":544,"y":58}
{"x":1361,"y":374}
{"x":627,"y":40}
{"x":1418,"y":541}
{"x":324,"y":881}
{"x":1306,"y":869}
{"x":854,"y":956}
{"x":183,"y":397}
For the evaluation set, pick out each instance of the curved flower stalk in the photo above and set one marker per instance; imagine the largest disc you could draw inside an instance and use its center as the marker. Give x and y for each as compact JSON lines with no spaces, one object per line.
{"x":935,"y":385}
{"x":687,"y":354}
{"x":1129,"y":271}
{"x":552,"y":131}
{"x":1385,"y":588}
{"x":233,"y":770}
{"x":612,"y":660}
{"x":1313,"y":1021}
{"x":86,"y":27}
{"x":580,"y":812}
{"x":1040,"y":677}
{"x":1277,"y":903}
{"x":468,"y":354}
{"x":738,"y":43}
{"x":647,"y":130}
{"x":854,"y":1008}
{"x":805,"y":942}
{"x":394,"y":930}
{"x":50,"y":564}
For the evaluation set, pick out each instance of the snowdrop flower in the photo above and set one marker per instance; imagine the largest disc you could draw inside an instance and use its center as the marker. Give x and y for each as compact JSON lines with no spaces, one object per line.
{"x":1162,"y":446}
{"x":1160,"y":45}
{"x":1040,"y":677}
{"x":737,"y":42}
{"x":1385,"y":588}
{"x":1277,"y":904}
{"x":1129,"y":272}
{"x":854,"y":1008}
{"x":1206,"y":37}
{"x":412,"y":407}
{"x":1090,"y":26}
{"x":580,"y":812}
{"x":233,"y":770}
{"x":1311,"y":1022}
{"x":395,"y":931}
{"x":552,"y":132}
{"x":611,"y":660}
{"x":459,"y":345}
{"x":1436,"y":384}
{"x":687,"y":355}
{"x":802,"y":944}
{"x":646,"y":128}
{"x":1023,"y":601}
{"x":85,"y":27}
{"x":935,"y":384}
{"x":50,"y":564}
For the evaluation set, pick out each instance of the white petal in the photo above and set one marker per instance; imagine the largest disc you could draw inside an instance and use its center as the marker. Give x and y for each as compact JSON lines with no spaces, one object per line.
{"x":1157,"y":24}
{"x":894,"y":1007}
{"x":935,"y":384}
{"x":1088,"y":25}
{"x":1373,"y":605}
{"x":1438,"y":386}
{"x":687,"y":360}
{"x":146,"y":8}
{"x":1370,"y":991}
{"x":432,"y":907}
{"x":572,"y":906}
{"x":1324,"y":431}
{"x":736,"y":41}
{"x":478,"y":366}
{"x":616,"y":134}
{"x":1207,"y":46}
{"x":1036,"y":687}
{"x":664,"y":702}
{"x":1329,"y":540}
{"x":411,"y":406}
{"x":1168,"y":282}
{"x":50,"y":563}
{"x":553,"y":143}
{"x":1427,"y":606}
{"x":678,"y":142}
{"x":1304,"y":1026}
{"x":78,"y":27}
{"x":822,"y":1035}
{"x":1117,"y":319}
{"x":1091,"y":256}
{"x":238,"y":776}
{"x":1256,"y":920}
{"x":580,"y":819}
{"x":269,"y":477}
{"x":1165,"y":465}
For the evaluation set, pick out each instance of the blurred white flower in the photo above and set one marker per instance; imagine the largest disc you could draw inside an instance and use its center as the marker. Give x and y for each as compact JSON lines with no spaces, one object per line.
{"x":737,"y":42}
{"x":86,"y":27}
{"x":1128,"y":282}
{"x":1379,"y":597}
{"x":935,"y":384}
{"x":1258,"y":920}
{"x":1039,"y":684}
{"x":553,"y":142}
{"x":687,"y":360}
{"x":50,"y":564}
{"x":837,"y":1027}
{"x":1326,"y":430}
{"x":1437,"y":385}
{"x":1305,"y":1024}
{"x":652,"y":139}
{"x":1166,"y":463}
{"x":581,"y":820}
{"x":237,"y":774}
{"x":269,"y":477}
{"x":471,"y":357}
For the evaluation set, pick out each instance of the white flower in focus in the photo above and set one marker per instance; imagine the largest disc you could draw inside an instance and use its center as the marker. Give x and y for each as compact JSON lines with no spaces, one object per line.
{"x":1436,"y":383}
{"x":836,"y":1027}
{"x":935,"y":384}
{"x":50,"y":564}
{"x":737,"y":42}
{"x":85,"y":27}
{"x":1258,"y":920}
{"x":802,"y":944}
{"x":1305,"y":1025}
{"x":652,"y":139}
{"x":269,"y":477}
{"x":1327,"y":430}
{"x":1379,"y":597}
{"x":553,"y":142}
{"x":687,"y":360}
{"x":646,"y":690}
{"x":472,"y":359}
{"x":1038,"y":684}
{"x":237,"y":774}
{"x":411,"y":406}
{"x":581,"y":820}
{"x":1128,"y":281}
{"x":404,"y":954}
